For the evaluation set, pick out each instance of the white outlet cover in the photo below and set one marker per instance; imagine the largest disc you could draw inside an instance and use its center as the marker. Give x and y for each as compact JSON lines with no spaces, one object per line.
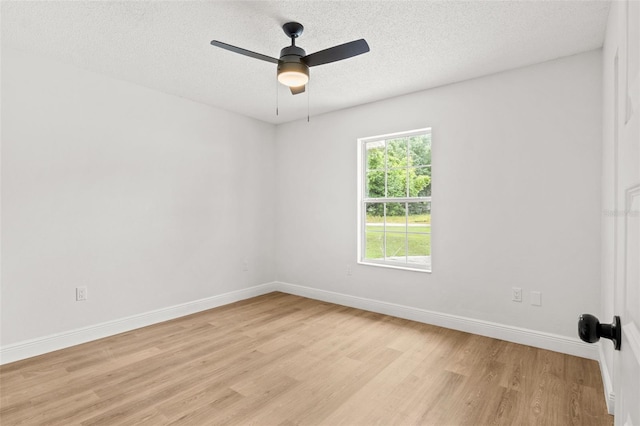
{"x":516,"y":294}
{"x":81,"y":294}
{"x":536,"y":298}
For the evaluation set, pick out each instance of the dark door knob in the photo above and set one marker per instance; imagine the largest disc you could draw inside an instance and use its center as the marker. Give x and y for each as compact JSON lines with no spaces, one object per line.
{"x":590,"y":330}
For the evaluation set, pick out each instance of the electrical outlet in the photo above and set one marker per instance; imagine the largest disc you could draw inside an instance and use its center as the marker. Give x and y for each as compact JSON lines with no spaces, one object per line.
{"x":516,"y":294}
{"x":81,"y":294}
{"x":349,"y":269}
{"x":536,"y":298}
{"x":245,"y":265}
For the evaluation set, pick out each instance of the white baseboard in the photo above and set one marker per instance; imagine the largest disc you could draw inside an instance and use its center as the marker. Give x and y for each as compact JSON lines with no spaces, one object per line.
{"x":39,"y":346}
{"x":607,"y":384}
{"x":538,"y":339}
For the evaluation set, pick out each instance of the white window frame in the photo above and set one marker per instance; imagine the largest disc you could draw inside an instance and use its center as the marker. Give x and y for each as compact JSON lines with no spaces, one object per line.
{"x":362,"y":201}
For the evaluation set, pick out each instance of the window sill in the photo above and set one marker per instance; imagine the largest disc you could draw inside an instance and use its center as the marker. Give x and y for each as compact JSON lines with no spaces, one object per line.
{"x":394,"y":266}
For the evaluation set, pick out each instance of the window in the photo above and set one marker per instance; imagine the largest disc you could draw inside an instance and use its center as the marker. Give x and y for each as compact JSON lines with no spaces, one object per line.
{"x":394,"y":190}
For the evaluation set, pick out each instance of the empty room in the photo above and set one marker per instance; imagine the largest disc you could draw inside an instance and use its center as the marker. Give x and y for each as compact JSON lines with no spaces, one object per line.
{"x":320,"y":213}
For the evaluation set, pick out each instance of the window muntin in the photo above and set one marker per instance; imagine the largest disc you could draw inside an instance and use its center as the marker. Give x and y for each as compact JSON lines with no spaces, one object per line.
{"x":395,"y":200}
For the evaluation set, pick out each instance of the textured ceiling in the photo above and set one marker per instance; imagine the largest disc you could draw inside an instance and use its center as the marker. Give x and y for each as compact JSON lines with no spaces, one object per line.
{"x":414,"y":45}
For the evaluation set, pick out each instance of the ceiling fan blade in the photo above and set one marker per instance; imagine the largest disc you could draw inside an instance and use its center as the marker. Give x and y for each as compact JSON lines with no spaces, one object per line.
{"x":337,"y":53}
{"x":297,"y":90}
{"x":244,"y":51}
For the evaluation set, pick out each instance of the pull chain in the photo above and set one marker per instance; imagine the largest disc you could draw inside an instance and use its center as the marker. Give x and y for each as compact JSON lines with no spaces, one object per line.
{"x":277,"y":97}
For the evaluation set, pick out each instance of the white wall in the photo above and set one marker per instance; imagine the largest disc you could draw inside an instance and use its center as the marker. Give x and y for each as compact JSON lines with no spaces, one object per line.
{"x":516,"y":197}
{"x":147,"y":199}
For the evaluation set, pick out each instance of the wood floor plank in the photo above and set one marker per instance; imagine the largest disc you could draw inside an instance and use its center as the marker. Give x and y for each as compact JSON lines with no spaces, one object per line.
{"x":280,"y":359}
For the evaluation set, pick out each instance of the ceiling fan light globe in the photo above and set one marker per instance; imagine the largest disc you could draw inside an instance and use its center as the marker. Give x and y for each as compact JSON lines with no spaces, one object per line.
{"x":293,"y":74}
{"x":293,"y":78}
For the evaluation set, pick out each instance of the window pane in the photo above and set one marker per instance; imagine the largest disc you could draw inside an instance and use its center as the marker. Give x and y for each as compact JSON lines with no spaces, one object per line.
{"x":420,"y":182}
{"x":397,"y":153}
{"x":396,"y":247}
{"x":397,"y":183}
{"x":375,"y":213}
{"x":419,"y":214}
{"x":420,"y":150}
{"x":374,"y":243}
{"x":374,"y":231}
{"x":375,"y":155}
{"x":419,"y":246}
{"x":419,"y":233}
{"x":395,"y":217}
{"x":375,"y":185}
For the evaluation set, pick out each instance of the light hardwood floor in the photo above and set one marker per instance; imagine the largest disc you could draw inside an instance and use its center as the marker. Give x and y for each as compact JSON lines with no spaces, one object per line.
{"x":280,"y":359}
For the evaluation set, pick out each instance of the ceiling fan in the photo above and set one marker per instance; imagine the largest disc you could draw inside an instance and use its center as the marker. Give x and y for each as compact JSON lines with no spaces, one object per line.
{"x":294,"y":63}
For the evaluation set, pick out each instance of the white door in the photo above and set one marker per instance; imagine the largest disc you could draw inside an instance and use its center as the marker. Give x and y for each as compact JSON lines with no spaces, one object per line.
{"x":627,"y":288}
